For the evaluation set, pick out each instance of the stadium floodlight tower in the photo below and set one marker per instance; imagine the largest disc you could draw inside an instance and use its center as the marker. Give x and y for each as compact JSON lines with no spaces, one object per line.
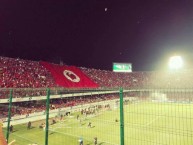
{"x":175,"y":63}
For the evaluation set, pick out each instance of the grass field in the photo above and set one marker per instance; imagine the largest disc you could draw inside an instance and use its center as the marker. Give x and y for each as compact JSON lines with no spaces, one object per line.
{"x":146,"y":123}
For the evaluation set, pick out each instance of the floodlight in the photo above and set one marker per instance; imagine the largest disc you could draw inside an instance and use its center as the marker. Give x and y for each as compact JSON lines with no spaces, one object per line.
{"x":175,"y":62}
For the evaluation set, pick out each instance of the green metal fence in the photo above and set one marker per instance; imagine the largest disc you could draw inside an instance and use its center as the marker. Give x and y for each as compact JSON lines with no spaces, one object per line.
{"x":159,"y":116}
{"x":102,"y":117}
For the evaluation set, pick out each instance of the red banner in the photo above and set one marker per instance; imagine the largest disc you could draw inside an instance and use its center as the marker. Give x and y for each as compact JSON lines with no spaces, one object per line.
{"x":69,"y":76}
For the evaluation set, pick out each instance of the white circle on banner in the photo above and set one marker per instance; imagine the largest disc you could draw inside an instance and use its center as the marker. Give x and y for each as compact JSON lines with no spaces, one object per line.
{"x":71,"y":76}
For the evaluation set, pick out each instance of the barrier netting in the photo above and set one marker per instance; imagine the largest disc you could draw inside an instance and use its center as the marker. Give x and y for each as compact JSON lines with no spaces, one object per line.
{"x":97,"y":117}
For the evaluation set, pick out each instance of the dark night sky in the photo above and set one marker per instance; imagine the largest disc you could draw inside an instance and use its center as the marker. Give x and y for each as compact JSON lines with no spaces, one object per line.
{"x":82,"y":33}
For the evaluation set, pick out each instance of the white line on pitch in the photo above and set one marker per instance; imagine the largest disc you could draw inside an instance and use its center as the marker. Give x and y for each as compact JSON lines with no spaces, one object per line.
{"x":152,"y":121}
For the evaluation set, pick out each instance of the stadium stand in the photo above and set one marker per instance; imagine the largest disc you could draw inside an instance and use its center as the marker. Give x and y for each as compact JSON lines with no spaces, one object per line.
{"x":22,"y":75}
{"x":19,"y":73}
{"x":153,"y":79}
{"x":109,"y":79}
{"x":25,"y":108}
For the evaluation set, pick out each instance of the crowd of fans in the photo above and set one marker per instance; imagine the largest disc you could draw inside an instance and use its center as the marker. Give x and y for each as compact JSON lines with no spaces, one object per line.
{"x":30,"y":107}
{"x":109,"y":79}
{"x":74,"y":101}
{"x":25,"y":74}
{"x":19,"y":73}
{"x":140,"y":80}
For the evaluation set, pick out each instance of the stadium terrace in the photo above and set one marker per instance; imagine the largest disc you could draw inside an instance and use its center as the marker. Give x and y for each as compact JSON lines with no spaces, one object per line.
{"x":71,"y":105}
{"x":19,"y":73}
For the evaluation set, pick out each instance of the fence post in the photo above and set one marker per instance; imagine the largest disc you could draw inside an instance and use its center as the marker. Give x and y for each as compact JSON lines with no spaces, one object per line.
{"x":9,"y":114}
{"x":121,"y":116}
{"x":47,"y":115}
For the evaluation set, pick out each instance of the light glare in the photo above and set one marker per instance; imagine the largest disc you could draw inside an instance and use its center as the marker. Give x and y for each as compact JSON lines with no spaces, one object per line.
{"x":175,"y":62}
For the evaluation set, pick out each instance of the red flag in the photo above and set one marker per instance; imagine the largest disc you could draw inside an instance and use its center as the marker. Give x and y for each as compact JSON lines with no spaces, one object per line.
{"x":69,"y":76}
